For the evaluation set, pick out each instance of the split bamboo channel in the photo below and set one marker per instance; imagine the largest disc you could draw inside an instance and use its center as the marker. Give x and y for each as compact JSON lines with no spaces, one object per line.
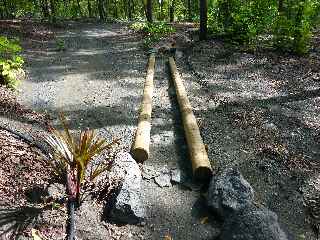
{"x":201,"y":167}
{"x":141,"y":144}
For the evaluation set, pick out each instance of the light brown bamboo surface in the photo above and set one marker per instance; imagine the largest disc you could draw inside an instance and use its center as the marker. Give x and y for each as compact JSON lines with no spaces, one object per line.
{"x":140,"y":147}
{"x":202,"y":169}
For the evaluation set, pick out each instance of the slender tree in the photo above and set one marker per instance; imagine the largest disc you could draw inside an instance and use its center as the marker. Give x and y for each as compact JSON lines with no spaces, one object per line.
{"x":189,"y":10}
{"x":5,"y":9}
{"x":89,"y":9}
{"x":171,"y":10}
{"x":115,"y":10}
{"x":161,"y":10}
{"x":298,"y":34}
{"x":79,"y":8}
{"x":280,"y":6}
{"x":149,"y":11}
{"x":101,"y":10}
{"x":130,"y":9}
{"x":203,"y":19}
{"x":53,"y":10}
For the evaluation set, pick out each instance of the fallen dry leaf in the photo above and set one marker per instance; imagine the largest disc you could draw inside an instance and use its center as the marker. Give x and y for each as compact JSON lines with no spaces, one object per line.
{"x":204,"y":220}
{"x":35,"y":234}
{"x":167,"y":237}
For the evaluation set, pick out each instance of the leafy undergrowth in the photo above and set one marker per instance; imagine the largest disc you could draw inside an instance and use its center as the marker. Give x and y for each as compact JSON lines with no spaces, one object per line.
{"x":153,"y":32}
{"x":11,"y":72}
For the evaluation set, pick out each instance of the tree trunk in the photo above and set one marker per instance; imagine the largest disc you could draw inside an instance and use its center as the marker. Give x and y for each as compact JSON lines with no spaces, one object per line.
{"x":171,"y":12}
{"x":101,"y":10}
{"x":201,"y":166}
{"x":53,"y":11}
{"x":71,"y":220}
{"x":161,"y":10}
{"x":280,"y":6}
{"x":144,"y":7}
{"x":79,"y":8}
{"x":203,"y":19}
{"x":66,"y":5}
{"x":130,"y":7}
{"x":125,"y":8}
{"x":149,"y":11}
{"x":189,"y":11}
{"x":298,"y":35}
{"x":89,"y":9}
{"x":2,"y":10}
{"x":10,"y":9}
{"x":141,"y":146}
{"x":115,"y":10}
{"x":106,"y":4}
{"x":5,"y":12}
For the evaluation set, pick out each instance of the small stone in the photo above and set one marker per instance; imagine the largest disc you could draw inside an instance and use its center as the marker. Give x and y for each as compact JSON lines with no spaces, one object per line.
{"x":128,"y":207}
{"x":229,"y":192}
{"x":163,"y":180}
{"x":156,"y":138}
{"x":270,"y":127}
{"x":143,"y":223}
{"x":179,"y":54}
{"x":88,"y":222}
{"x":149,"y":172}
{"x":252,"y":223}
{"x":177,"y":176}
{"x":56,"y":191}
{"x":316,"y":76}
{"x":264,"y":166}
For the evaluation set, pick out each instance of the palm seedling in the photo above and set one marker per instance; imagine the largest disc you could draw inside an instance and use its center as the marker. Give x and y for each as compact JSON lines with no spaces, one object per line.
{"x":72,"y":158}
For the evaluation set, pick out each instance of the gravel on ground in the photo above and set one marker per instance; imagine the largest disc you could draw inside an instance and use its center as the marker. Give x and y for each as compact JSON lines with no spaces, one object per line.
{"x":257,"y":112}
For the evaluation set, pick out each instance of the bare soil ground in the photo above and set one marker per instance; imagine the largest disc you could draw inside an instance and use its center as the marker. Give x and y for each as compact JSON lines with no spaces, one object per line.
{"x":257,"y":111}
{"x":260,"y":113}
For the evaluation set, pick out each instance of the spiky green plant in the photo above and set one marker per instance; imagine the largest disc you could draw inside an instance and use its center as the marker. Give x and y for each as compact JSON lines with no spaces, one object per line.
{"x":72,"y":157}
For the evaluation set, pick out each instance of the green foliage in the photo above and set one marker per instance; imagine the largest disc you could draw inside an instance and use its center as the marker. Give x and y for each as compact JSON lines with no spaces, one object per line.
{"x":158,"y":28}
{"x":241,"y":20}
{"x":139,"y":26}
{"x":60,"y":45}
{"x":10,"y":62}
{"x":153,"y":31}
{"x":72,"y":157}
{"x":246,"y":20}
{"x":293,"y":27}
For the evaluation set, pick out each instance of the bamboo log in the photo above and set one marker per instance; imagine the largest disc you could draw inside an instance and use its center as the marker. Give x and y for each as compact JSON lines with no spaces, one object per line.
{"x":140,"y":147}
{"x":201,"y":167}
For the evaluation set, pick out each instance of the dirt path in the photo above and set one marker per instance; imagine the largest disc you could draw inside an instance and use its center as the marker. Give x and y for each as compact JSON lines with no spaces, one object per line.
{"x":255,"y":112}
{"x":259,"y":113}
{"x":97,"y":82}
{"x":175,"y":211}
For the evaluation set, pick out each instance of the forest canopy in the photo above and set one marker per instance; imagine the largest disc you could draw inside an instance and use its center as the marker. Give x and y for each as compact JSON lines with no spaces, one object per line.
{"x":287,"y":24}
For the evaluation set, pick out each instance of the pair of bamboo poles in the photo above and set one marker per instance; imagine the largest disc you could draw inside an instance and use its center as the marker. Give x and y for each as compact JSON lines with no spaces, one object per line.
{"x":201,"y":167}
